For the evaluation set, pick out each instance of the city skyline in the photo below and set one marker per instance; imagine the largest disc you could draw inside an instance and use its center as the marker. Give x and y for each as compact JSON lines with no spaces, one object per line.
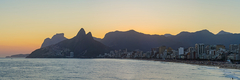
{"x":25,"y":24}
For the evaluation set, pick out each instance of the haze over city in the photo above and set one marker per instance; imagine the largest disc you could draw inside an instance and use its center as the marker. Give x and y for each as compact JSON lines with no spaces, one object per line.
{"x":25,"y":24}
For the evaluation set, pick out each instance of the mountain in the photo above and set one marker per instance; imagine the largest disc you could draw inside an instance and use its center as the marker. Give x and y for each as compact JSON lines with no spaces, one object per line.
{"x":82,"y":45}
{"x":168,"y":35}
{"x":18,"y":56}
{"x":97,"y":39}
{"x":55,"y":39}
{"x":190,"y":39}
{"x":134,"y":40}
{"x":223,"y":32}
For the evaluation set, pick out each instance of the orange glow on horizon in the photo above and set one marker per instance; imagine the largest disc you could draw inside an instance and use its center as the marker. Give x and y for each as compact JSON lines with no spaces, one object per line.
{"x":8,"y":50}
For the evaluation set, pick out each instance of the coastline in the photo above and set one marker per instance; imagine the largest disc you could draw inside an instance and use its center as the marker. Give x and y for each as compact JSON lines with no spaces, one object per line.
{"x":219,"y":64}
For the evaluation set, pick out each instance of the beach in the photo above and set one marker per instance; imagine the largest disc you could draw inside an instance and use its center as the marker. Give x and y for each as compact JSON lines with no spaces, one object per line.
{"x":219,"y":64}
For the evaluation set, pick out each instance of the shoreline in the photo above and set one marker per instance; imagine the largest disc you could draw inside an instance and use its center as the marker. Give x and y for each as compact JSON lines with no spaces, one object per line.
{"x":219,"y":64}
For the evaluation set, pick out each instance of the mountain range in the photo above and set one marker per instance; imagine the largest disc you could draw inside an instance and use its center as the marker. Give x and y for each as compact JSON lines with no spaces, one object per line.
{"x":135,"y":40}
{"x":82,"y":45}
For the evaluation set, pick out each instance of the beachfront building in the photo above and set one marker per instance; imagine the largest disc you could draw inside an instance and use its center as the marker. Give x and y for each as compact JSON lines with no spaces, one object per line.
{"x":154,"y":52}
{"x":212,"y":54}
{"x":234,"y":56}
{"x":200,"y":50}
{"x":169,"y":52}
{"x":210,"y":51}
{"x":157,"y":56}
{"x":234,"y":52}
{"x":148,"y":54}
{"x":234,"y":48}
{"x":180,"y":51}
{"x":221,"y":53}
{"x":164,"y":55}
{"x":144,"y":55}
{"x":141,"y":54}
{"x":128,"y":55}
{"x":191,"y":53}
{"x":161,"y":50}
{"x":175,"y":54}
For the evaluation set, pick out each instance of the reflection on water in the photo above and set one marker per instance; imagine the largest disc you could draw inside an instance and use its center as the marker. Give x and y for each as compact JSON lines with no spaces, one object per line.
{"x":108,"y":69}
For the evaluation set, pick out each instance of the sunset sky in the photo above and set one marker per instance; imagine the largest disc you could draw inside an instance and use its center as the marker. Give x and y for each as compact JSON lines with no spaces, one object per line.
{"x":24,"y":24}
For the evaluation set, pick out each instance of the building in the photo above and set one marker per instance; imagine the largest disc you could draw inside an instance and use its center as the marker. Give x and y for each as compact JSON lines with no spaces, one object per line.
{"x":175,"y":54}
{"x":71,"y":54}
{"x":219,"y":47}
{"x":180,"y":51}
{"x":164,"y":55}
{"x":233,"y":48}
{"x":162,"y":49}
{"x":169,"y":50}
{"x":234,"y":56}
{"x":191,"y":53}
{"x":154,"y":52}
{"x":200,"y":50}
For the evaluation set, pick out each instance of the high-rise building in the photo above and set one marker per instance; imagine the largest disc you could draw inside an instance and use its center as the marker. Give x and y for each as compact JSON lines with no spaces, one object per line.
{"x":169,"y":50}
{"x":190,"y":49}
{"x":180,"y":50}
{"x":208,"y":48}
{"x":162,"y":49}
{"x":233,"y":48}
{"x":192,"y":53}
{"x":200,"y":49}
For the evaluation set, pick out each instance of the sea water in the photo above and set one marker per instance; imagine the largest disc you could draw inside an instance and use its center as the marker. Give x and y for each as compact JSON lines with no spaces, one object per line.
{"x":108,"y":69}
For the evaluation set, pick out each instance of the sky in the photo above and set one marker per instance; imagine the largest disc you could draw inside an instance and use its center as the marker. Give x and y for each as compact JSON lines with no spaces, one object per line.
{"x":24,"y":24}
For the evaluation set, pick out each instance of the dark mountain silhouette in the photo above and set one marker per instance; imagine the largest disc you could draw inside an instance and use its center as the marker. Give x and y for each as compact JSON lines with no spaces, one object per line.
{"x":190,"y":39}
{"x":18,"y":56}
{"x":55,"y":39}
{"x":83,"y":45}
{"x":134,"y":40}
{"x":97,"y":39}
{"x":223,"y":32}
{"x":168,"y":35}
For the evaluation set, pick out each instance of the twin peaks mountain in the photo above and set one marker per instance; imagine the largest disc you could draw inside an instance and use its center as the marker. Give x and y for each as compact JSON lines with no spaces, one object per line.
{"x":82,"y":45}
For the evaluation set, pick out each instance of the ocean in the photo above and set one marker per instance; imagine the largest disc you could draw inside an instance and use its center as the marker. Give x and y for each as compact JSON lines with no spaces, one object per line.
{"x":108,"y":69}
